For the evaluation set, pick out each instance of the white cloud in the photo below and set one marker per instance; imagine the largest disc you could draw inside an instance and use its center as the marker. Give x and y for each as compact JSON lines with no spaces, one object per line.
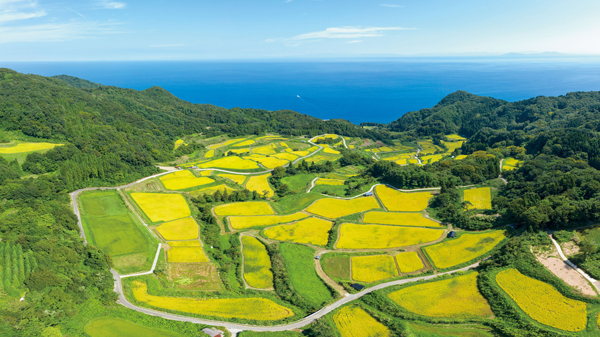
{"x":106,"y":4}
{"x":354,"y":41}
{"x":15,"y":10}
{"x":6,"y":16}
{"x":53,"y":32}
{"x":392,"y":5}
{"x":342,"y":33}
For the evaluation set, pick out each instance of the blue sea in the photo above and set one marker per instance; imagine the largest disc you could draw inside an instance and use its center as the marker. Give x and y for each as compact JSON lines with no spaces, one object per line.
{"x":360,"y":91}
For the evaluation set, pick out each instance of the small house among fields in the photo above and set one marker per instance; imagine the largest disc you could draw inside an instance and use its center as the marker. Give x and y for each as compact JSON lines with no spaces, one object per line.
{"x":357,"y":286}
{"x":452,"y":234}
{"x":368,"y":194}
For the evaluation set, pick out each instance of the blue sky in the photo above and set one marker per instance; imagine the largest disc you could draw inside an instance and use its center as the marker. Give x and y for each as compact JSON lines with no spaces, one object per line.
{"x":68,"y":30}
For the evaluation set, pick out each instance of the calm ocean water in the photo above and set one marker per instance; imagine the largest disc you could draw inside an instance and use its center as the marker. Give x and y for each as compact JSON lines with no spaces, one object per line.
{"x":371,"y":91}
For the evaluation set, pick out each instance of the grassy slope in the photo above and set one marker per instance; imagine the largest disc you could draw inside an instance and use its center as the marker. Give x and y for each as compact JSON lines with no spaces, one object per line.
{"x":299,"y":182}
{"x":108,"y":327}
{"x":300,"y":266}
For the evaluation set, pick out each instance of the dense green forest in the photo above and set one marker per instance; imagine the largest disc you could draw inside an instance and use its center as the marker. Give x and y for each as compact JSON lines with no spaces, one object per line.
{"x":115,"y":136}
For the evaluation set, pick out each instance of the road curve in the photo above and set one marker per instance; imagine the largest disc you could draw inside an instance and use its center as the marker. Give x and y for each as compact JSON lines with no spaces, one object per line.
{"x":295,"y":325}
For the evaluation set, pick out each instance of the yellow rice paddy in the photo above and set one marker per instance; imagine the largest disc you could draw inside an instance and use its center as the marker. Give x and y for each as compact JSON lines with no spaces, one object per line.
{"x":244,"y":208}
{"x":192,"y":243}
{"x":243,"y":222}
{"x":260,"y":309}
{"x":396,"y":201}
{"x":181,"y":180}
{"x":209,"y":154}
{"x":353,"y":321}
{"x":186,"y":254}
{"x":257,"y":264}
{"x":480,"y":198}
{"x":313,"y":231}
{"x":285,"y":156}
{"x":238,"y":179}
{"x":245,"y":143}
{"x":325,"y":181}
{"x":238,"y":151}
{"x":460,"y":157}
{"x":265,"y":149}
{"x":162,"y":207}
{"x":182,"y":229}
{"x":27,"y":147}
{"x":206,"y":173}
{"x":231,"y":162}
{"x":211,"y":190}
{"x":409,"y":262}
{"x":400,"y":219}
{"x":457,"y":297}
{"x":336,"y":208}
{"x":260,"y":184}
{"x":467,"y":247}
{"x":331,"y":151}
{"x":456,"y":137}
{"x":373,"y":268}
{"x":268,"y":162}
{"x":353,"y":236}
{"x":542,"y":302}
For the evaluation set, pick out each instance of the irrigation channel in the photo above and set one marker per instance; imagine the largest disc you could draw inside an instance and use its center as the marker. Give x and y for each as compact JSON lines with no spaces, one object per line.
{"x":233,"y":327}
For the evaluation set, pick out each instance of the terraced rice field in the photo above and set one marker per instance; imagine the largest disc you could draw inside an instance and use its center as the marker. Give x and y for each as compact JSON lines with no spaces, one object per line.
{"x":236,"y":178}
{"x":300,"y":153}
{"x":460,"y":157}
{"x":257,"y":264}
{"x":245,"y":143}
{"x":162,"y":207}
{"x":542,"y":302}
{"x":268,"y":162}
{"x":192,"y":243}
{"x":27,"y":147}
{"x":178,"y":143}
{"x":238,"y":151}
{"x":259,"y":309}
{"x":428,"y":147}
{"x":467,"y":247}
{"x":231,"y":162}
{"x":480,"y":198}
{"x":186,"y":254}
{"x":456,"y":137}
{"x":260,"y":184}
{"x":211,"y":190}
{"x":244,"y":208}
{"x":115,"y":327}
{"x":325,"y":181}
{"x":243,"y":222}
{"x":181,"y":180}
{"x":299,"y":261}
{"x":457,"y":297}
{"x":373,"y":268}
{"x":109,"y":225}
{"x":409,"y":262}
{"x":206,"y":173}
{"x":209,"y":154}
{"x":431,"y":158}
{"x":330,"y":151}
{"x":182,"y":229}
{"x":286,"y":156}
{"x":336,"y":208}
{"x":313,"y":231}
{"x":396,"y":201}
{"x":510,"y":164}
{"x":452,"y":145}
{"x":265,"y":149}
{"x":400,"y":219}
{"x":353,"y":236}
{"x":352,"y":321}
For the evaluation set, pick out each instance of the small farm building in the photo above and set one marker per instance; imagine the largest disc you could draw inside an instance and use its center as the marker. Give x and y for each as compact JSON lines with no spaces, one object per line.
{"x":452,"y":234}
{"x":357,"y":286}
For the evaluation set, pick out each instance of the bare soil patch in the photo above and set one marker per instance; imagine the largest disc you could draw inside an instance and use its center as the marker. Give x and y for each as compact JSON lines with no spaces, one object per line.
{"x":195,"y":276}
{"x":569,"y":248}
{"x":558,"y":267}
